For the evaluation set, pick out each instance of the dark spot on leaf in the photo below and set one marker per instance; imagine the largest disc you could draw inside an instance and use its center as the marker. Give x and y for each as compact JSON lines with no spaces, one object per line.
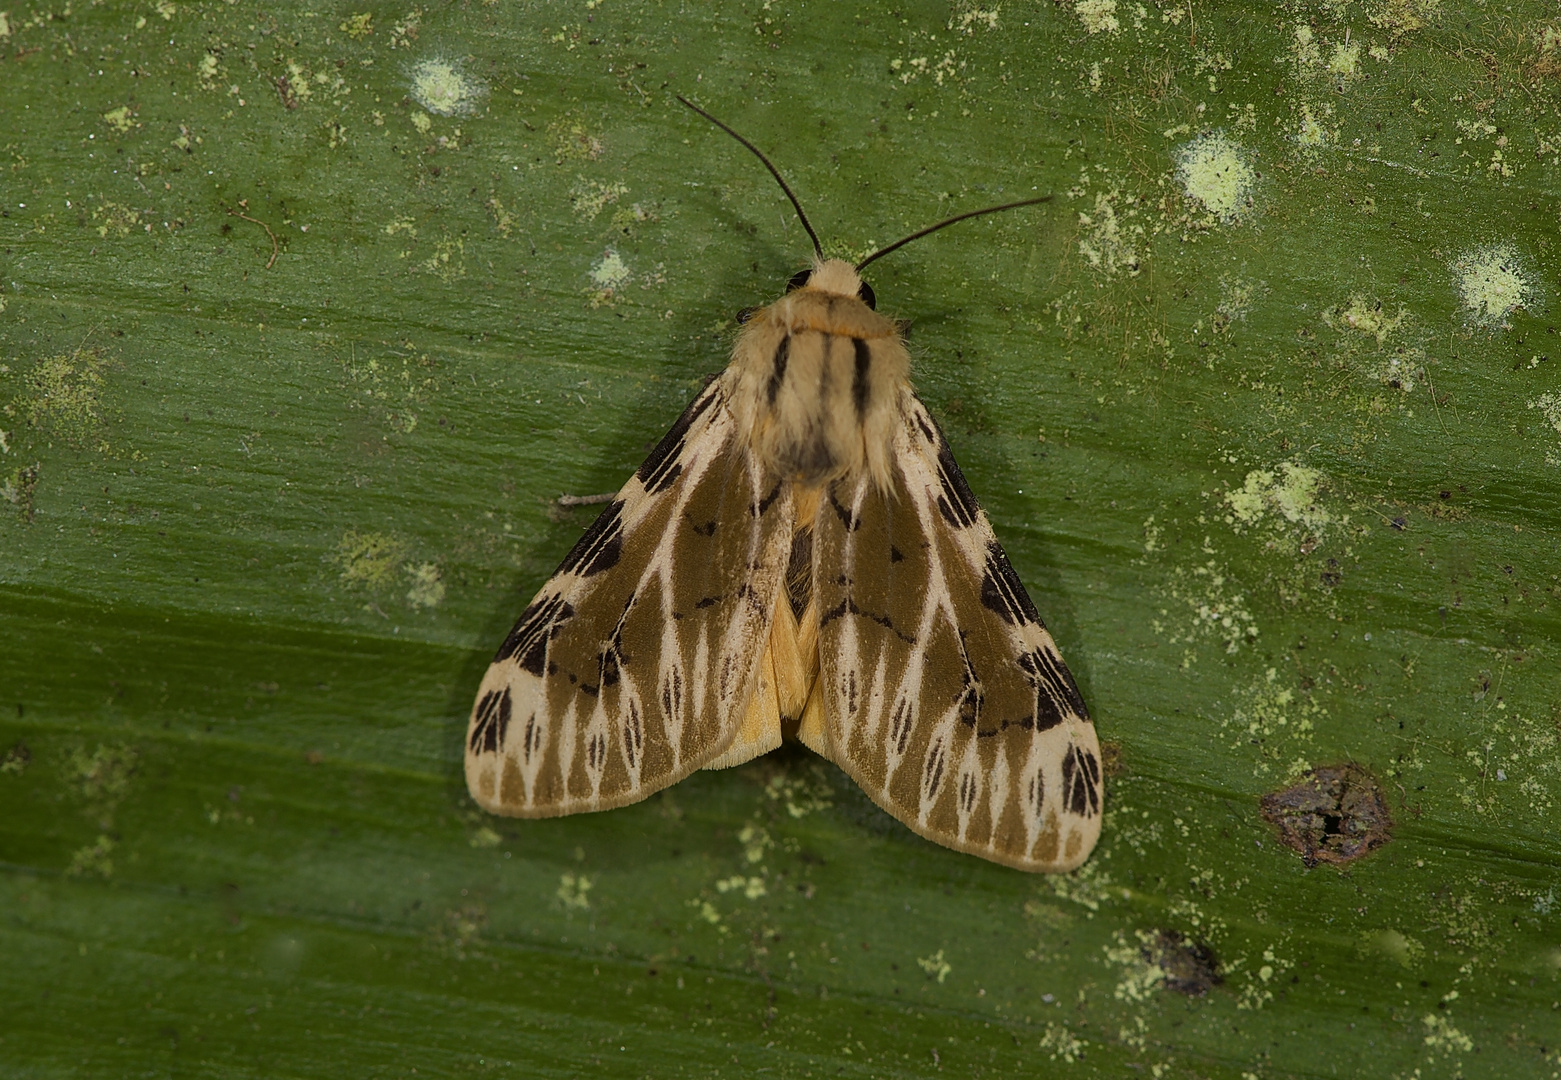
{"x":1334,"y":814}
{"x":1190,"y":967}
{"x":1111,"y":762}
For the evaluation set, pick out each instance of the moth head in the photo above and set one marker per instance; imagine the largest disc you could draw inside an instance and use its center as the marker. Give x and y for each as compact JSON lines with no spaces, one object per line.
{"x":833,"y":276}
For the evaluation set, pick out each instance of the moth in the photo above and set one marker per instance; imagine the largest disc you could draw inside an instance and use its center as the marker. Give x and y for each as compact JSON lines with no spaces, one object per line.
{"x":799,"y":557}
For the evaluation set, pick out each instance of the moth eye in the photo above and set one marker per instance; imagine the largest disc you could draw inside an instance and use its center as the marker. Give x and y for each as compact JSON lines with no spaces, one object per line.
{"x":745,"y":314}
{"x":865,"y":294}
{"x":798,"y":280}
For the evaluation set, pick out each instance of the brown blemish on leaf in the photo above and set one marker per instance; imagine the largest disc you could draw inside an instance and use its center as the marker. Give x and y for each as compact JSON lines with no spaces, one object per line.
{"x":285,"y":90}
{"x":1190,"y":967}
{"x":1334,"y":814}
{"x":1111,"y":758}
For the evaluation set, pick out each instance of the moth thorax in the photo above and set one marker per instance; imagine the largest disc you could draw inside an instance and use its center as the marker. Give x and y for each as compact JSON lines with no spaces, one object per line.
{"x":818,"y":378}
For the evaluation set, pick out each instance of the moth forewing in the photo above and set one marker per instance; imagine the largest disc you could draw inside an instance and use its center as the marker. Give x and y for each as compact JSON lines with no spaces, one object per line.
{"x":635,"y":663}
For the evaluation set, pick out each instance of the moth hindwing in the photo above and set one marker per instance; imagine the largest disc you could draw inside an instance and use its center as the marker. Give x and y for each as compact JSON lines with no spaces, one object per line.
{"x":800,"y":556}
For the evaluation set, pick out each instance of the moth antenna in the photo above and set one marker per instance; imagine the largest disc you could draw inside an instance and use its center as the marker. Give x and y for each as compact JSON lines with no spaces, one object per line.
{"x":818,"y":248}
{"x":881,"y":252}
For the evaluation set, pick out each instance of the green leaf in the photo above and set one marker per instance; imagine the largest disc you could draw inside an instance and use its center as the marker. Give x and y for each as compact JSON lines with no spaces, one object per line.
{"x":308,"y":317}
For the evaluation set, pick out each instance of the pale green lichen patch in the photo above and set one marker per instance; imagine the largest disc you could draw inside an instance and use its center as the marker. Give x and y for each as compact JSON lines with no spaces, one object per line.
{"x":16,"y":760}
{"x":115,"y":219}
{"x":1393,"y":944}
{"x":102,"y":778}
{"x":750,"y":887}
{"x":591,"y":197}
{"x":358,"y":26}
{"x":1107,"y":242}
{"x":627,"y":219}
{"x":1401,"y":366}
{"x":756,"y":841}
{"x":1443,"y":1038}
{"x":1139,"y":977}
{"x":460,"y":932}
{"x":1365,"y":315}
{"x":504,"y":219}
{"x":19,"y":487}
{"x":369,"y":559}
{"x":1549,"y":408}
{"x":801,"y":795}
{"x":484,"y":837}
{"x":1315,"y":128}
{"x":442,"y":88}
{"x":1400,"y":17}
{"x":1344,"y":62}
{"x":708,"y":912}
{"x":1089,"y":886}
{"x":1304,"y":48}
{"x":1515,"y":766}
{"x":1235,"y":302}
{"x":1060,"y":1041}
{"x":572,"y":141}
{"x":447,"y":260}
{"x":1256,"y":990}
{"x":1216,"y":608}
{"x":427,"y":585}
{"x":1214,"y":171}
{"x":98,"y":781}
{"x":1293,"y":493}
{"x":1315,"y":57}
{"x":610,"y":272}
{"x":1493,"y":282}
{"x":935,"y":966}
{"x":1276,"y":723}
{"x":92,"y":860}
{"x":121,"y":119}
{"x":62,"y":396}
{"x":1098,"y":16}
{"x":574,"y":892}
